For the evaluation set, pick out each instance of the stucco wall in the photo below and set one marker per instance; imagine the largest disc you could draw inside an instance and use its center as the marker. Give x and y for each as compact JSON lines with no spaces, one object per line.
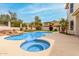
{"x":75,"y":20}
{"x":77,"y":25}
{"x":70,"y":17}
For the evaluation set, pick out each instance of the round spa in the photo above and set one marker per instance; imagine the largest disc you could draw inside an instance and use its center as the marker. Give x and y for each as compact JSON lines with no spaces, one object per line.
{"x":36,"y":47}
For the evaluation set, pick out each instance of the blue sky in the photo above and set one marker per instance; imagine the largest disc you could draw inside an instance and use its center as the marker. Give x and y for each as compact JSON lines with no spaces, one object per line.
{"x":27,"y":11}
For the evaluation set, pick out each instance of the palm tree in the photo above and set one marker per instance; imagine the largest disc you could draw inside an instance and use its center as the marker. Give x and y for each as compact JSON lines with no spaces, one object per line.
{"x":64,"y":25}
{"x":8,"y":20}
{"x":12,"y":18}
{"x":38,"y":23}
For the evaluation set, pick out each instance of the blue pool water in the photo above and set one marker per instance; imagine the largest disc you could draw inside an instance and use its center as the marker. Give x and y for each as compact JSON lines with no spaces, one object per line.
{"x":32,"y":43}
{"x":28,"y":36}
{"x":35,"y":45}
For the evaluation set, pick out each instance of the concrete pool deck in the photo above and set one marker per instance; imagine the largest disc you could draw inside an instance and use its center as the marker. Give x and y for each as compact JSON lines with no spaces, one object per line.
{"x":64,"y":45}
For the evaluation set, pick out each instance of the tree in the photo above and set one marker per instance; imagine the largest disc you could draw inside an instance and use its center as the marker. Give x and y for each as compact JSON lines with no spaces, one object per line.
{"x":20,"y":23}
{"x":38,"y":23}
{"x":13,"y":17}
{"x":3,"y":20}
{"x":24,"y":24}
{"x":51,"y":23}
{"x":31,"y":25}
{"x":64,"y":25}
{"x":10,"y":20}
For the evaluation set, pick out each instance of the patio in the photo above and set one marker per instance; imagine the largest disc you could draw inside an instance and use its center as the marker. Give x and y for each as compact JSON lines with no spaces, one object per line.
{"x":65,"y":45}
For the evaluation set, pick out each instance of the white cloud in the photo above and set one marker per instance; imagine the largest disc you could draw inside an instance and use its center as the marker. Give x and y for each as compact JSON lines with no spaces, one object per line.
{"x":36,"y":8}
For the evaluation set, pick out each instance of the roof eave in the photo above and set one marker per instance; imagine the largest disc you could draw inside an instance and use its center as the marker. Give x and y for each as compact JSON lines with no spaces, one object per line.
{"x":76,"y":12}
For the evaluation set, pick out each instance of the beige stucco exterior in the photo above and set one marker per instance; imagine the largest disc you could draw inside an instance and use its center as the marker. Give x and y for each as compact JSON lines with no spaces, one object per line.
{"x":74,"y":16}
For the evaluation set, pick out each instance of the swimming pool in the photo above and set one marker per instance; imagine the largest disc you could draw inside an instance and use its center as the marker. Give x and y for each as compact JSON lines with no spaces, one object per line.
{"x":35,"y":45}
{"x":32,"y":43}
{"x":27,"y":36}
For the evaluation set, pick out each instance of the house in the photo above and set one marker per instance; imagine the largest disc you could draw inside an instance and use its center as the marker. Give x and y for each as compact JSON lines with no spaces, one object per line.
{"x":73,"y":18}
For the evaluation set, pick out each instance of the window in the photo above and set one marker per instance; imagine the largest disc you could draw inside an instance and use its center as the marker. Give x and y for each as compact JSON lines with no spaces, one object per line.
{"x":71,"y":7}
{"x":71,"y":25}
